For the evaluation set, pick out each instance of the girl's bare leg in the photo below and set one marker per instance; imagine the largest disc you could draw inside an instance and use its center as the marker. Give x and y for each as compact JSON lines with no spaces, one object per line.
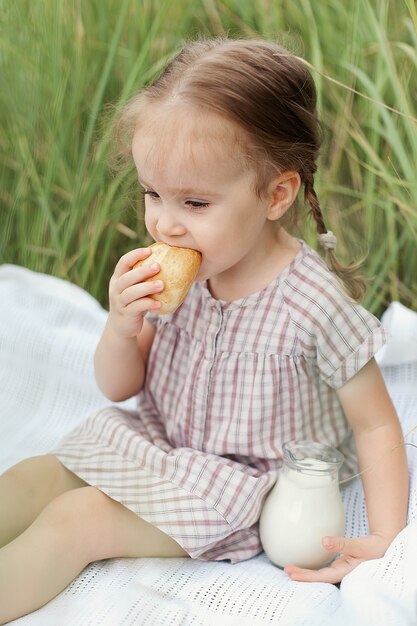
{"x":25,"y":490}
{"x":76,"y":528}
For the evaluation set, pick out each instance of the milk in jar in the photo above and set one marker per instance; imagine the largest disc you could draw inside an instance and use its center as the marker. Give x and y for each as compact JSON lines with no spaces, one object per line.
{"x":304,"y":506}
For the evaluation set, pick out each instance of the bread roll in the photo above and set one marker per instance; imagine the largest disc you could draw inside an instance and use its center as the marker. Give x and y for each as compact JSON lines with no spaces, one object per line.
{"x":179,"y":267}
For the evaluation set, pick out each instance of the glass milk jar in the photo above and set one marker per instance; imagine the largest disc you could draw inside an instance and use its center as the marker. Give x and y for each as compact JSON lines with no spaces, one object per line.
{"x":303,"y":506}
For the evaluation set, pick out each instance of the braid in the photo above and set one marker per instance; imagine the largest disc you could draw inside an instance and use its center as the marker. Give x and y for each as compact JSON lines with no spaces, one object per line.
{"x":351,"y":274}
{"x":310,"y":196}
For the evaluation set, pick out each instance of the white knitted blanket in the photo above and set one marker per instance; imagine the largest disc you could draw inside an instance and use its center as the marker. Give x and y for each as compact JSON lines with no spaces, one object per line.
{"x":48,"y":332}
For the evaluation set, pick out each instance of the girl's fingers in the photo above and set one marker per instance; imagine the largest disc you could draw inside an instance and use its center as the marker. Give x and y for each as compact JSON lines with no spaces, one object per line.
{"x":141,"y":306}
{"x":344,"y":545}
{"x":140,"y":275}
{"x":131,"y":290}
{"x":332,"y":573}
{"x":324,"y":575}
{"x":366,"y":547}
{"x":139,"y":291}
{"x":353,"y":551}
{"x":128,"y":260}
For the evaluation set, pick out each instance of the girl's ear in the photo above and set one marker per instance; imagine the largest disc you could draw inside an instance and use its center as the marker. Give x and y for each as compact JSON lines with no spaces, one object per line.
{"x":283,"y":190}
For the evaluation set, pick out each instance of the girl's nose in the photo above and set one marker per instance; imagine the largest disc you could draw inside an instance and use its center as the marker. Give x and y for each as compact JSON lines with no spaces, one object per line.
{"x":168,"y":224}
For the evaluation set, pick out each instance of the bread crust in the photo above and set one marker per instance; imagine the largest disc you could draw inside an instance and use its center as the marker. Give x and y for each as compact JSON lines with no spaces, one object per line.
{"x":179,"y":267}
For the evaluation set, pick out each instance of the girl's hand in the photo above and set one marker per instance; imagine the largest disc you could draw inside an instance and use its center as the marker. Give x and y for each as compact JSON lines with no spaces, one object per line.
{"x":352,"y":552}
{"x":129,"y":293}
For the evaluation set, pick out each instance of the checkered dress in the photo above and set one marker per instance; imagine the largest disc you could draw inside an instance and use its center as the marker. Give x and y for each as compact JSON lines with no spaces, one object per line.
{"x":228,"y":383}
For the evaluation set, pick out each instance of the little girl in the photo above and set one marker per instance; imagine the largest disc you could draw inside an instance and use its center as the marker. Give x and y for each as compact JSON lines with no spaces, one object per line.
{"x":270,"y":345}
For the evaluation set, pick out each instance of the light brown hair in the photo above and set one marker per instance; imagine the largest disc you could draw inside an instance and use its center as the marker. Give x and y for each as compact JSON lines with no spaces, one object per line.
{"x":270,"y":94}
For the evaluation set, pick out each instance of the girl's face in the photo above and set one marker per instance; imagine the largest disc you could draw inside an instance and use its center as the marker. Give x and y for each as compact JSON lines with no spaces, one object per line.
{"x":198,"y":194}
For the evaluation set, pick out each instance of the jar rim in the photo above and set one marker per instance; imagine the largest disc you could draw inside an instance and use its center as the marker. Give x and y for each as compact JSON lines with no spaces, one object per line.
{"x":312,"y":456}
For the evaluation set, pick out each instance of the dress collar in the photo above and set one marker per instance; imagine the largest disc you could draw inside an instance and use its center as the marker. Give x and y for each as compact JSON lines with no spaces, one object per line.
{"x":254,"y":298}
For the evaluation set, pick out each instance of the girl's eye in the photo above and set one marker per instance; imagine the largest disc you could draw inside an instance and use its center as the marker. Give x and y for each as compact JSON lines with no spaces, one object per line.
{"x":150,"y":193}
{"x":197,"y":204}
{"x":192,"y":204}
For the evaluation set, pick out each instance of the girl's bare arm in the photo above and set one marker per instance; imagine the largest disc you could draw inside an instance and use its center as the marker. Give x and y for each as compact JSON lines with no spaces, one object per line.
{"x":383,"y":463}
{"x":122,"y":353}
{"x":120,"y":362}
{"x":381,"y":451}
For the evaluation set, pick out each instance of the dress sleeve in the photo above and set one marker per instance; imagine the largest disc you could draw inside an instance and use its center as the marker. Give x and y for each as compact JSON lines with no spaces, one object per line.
{"x":335,"y":335}
{"x":153,"y":318}
{"x":346,"y":337}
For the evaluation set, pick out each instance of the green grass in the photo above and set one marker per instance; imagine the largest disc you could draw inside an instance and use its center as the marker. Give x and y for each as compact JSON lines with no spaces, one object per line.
{"x":66,"y":65}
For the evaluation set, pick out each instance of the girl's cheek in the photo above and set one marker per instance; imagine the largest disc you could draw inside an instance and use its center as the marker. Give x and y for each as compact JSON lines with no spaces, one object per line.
{"x":150,"y":225}
{"x":206,"y":271}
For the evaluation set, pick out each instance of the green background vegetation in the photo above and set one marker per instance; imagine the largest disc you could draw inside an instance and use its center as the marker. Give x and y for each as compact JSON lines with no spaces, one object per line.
{"x":67,"y":64}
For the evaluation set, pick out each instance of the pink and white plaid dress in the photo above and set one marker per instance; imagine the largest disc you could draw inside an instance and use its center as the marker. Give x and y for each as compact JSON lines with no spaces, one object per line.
{"x":228,"y":383}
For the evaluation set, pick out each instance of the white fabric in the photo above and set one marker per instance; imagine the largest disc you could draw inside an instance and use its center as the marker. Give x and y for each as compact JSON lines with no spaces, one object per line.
{"x":48,"y":332}
{"x":402,"y":324}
